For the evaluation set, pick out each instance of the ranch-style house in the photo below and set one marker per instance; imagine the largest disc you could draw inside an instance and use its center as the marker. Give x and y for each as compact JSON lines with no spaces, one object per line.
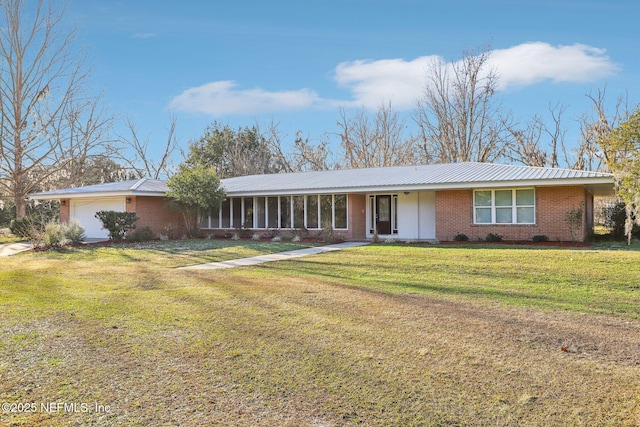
{"x":422,"y":203}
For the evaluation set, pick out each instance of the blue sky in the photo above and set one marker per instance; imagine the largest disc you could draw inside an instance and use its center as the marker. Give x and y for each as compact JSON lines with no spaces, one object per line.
{"x":297,"y":63}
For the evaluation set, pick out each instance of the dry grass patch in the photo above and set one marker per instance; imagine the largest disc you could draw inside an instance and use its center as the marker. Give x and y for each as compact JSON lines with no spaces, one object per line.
{"x":320,"y":341}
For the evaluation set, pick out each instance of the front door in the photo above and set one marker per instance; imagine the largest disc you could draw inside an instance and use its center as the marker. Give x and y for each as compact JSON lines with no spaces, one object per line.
{"x":383,"y":214}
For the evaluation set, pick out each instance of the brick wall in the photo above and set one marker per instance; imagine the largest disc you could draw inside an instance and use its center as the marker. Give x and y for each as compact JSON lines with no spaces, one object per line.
{"x":155,"y":214}
{"x":64,"y":210}
{"x":454,"y":215}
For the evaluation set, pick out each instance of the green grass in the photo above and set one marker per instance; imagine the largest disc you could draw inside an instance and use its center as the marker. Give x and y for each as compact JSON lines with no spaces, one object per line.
{"x":170,"y":254}
{"x":582,"y":280}
{"x":9,"y":238}
{"x":377,"y":335}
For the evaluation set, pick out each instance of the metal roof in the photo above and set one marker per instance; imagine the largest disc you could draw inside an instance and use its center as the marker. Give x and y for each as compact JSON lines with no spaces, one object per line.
{"x":396,"y":178}
{"x":426,"y":177}
{"x":144,"y":186}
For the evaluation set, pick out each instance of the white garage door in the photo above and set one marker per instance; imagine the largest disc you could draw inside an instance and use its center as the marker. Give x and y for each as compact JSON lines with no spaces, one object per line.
{"x":84,"y":210}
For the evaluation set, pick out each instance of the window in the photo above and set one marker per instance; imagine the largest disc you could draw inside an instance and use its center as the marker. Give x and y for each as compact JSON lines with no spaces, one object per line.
{"x":260,"y":213}
{"x":272,"y":212}
{"x":298,"y":211}
{"x":248,"y":212}
{"x":326,"y":211}
{"x":285,"y":212}
{"x":312,"y":211}
{"x":236,"y":205}
{"x":226,"y":216}
{"x":512,"y":206}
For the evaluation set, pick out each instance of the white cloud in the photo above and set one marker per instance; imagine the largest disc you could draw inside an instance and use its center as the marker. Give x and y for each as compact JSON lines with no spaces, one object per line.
{"x":389,"y":80}
{"x":222,"y":97}
{"x":401,"y":82}
{"x":532,"y":63}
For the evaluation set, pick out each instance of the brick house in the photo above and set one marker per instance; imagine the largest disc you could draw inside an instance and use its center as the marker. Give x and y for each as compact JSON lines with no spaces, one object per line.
{"x":426,"y":202}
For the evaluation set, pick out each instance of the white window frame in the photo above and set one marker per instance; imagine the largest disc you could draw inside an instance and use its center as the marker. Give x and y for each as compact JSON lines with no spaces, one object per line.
{"x":216,"y":222}
{"x":493,"y":207}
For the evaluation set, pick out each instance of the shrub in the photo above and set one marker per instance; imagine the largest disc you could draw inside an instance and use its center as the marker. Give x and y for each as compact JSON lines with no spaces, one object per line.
{"x":460,"y":237}
{"x":256,"y":236}
{"x":53,"y":236}
{"x":492,"y":237}
{"x":57,"y":235}
{"x":540,"y":238}
{"x":144,"y":234}
{"x":616,"y":217}
{"x":21,"y":227}
{"x":117,"y":223}
{"x":327,"y":234}
{"x":74,"y":231}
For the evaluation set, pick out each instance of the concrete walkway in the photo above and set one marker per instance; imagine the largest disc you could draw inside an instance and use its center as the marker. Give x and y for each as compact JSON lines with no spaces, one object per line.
{"x":7,"y":249}
{"x":273,"y":257}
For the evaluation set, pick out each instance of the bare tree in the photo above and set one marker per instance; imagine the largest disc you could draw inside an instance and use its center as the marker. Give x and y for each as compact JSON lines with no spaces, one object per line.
{"x":305,"y":156}
{"x":42,"y":75}
{"x":376,"y":141}
{"x":135,"y":153}
{"x":458,"y":116}
{"x":590,"y":154}
{"x":538,"y":144}
{"x":85,"y":129}
{"x":302,"y":156}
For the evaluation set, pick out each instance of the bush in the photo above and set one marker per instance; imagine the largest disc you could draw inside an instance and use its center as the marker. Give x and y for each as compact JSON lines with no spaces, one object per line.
{"x":616,"y":216}
{"x":540,"y":238}
{"x":117,"y":223}
{"x":142,"y":235}
{"x":57,"y":235}
{"x":21,"y":227}
{"x":460,"y":237}
{"x":7,"y":213}
{"x":74,"y":231}
{"x":492,"y":237}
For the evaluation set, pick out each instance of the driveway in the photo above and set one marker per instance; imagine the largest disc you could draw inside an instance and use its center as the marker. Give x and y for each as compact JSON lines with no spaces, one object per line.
{"x":7,"y":249}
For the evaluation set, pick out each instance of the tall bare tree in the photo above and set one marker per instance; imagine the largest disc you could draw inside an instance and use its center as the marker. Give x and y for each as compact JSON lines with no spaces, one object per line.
{"x":594,"y":128}
{"x":42,"y":76}
{"x":136,"y":154}
{"x":303,"y":155}
{"x":84,"y":132}
{"x":376,"y":140}
{"x":458,"y":116}
{"x":539,"y":142}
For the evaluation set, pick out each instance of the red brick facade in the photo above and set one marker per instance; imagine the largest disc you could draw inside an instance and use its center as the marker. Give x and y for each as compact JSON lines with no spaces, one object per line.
{"x":64,"y":210}
{"x":155,"y":214}
{"x":454,"y":215}
{"x":453,"y":210}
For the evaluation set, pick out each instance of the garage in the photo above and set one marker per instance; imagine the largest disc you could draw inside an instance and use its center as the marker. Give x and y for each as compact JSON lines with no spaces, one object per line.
{"x":84,"y":210}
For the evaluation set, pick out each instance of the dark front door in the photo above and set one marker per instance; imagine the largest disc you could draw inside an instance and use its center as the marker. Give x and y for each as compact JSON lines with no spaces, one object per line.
{"x":383,"y":214}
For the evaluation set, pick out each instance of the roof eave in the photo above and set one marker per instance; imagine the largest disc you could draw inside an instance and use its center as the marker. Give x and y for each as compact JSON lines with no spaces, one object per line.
{"x":602,"y":183}
{"x":60,"y":196}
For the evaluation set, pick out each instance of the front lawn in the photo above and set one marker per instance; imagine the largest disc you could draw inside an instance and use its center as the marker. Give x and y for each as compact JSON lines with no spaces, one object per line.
{"x":376,"y":335}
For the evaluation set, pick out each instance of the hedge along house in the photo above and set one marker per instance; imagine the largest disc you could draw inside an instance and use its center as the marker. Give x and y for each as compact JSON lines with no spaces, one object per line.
{"x":424,"y":203}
